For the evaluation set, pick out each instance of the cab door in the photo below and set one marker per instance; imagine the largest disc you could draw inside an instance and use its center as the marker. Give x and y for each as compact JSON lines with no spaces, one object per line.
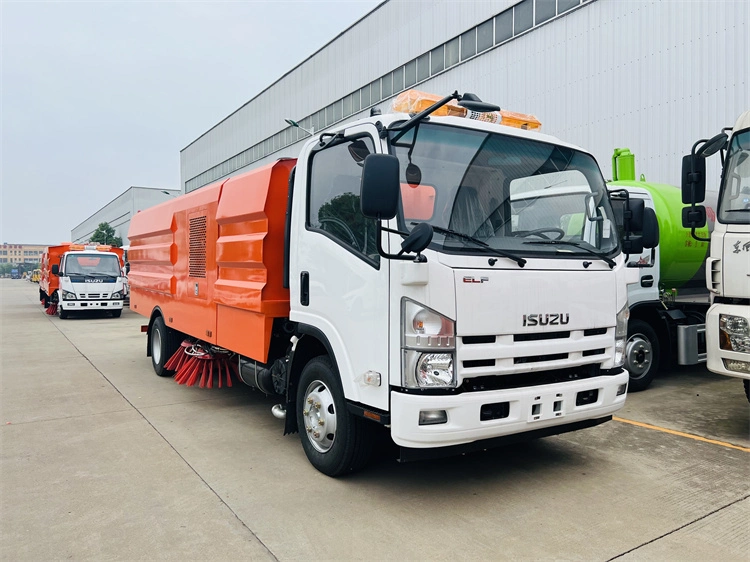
{"x":338,"y":281}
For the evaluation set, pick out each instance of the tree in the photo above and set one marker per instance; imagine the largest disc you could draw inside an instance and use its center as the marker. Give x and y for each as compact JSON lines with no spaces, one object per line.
{"x":105,"y":234}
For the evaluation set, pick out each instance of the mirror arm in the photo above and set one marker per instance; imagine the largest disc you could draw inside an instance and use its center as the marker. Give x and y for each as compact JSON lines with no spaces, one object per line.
{"x":419,"y":258}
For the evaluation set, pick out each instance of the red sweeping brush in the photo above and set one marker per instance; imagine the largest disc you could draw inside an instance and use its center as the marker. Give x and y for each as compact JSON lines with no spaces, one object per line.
{"x":51,"y":309}
{"x":193,"y":364}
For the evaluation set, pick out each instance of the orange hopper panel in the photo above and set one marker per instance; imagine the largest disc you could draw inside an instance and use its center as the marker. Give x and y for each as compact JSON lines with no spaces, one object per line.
{"x":212,"y":260}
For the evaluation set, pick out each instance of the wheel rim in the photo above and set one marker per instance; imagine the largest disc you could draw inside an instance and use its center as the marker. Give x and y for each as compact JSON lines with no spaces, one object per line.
{"x":638,"y":356}
{"x":156,"y":346}
{"x":319,"y":413}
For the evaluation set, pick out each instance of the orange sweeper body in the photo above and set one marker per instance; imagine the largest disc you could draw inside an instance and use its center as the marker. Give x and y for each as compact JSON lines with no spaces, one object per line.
{"x":212,"y":260}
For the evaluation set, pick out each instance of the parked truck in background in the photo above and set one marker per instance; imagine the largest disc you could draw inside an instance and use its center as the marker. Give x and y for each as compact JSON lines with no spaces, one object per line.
{"x":458,"y":281}
{"x":728,"y":266}
{"x":669,"y":302}
{"x":81,"y":278}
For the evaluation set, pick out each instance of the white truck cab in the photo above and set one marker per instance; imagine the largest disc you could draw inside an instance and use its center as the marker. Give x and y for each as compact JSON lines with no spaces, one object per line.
{"x":728,"y":263}
{"x":510,"y":320}
{"x":90,"y":279}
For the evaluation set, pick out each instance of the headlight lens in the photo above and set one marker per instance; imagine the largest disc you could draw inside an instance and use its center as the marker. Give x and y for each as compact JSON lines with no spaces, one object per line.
{"x":734,"y":333}
{"x":116,"y":295}
{"x":621,"y":335}
{"x":427,"y":343}
{"x":435,"y":369}
{"x":68,"y":296}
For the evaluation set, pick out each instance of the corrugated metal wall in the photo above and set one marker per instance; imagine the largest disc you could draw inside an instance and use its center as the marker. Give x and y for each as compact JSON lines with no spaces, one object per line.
{"x":653,"y":76}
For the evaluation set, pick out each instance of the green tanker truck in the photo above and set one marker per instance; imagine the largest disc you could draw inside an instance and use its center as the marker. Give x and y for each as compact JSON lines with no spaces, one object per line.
{"x":668,"y":306}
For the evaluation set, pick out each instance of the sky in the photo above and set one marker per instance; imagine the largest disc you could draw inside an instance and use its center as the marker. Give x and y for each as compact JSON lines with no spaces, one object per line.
{"x":96,"y":97}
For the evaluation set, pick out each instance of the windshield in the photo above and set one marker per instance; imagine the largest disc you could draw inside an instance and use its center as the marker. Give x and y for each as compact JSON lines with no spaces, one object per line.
{"x":509,"y":192}
{"x":734,"y":198}
{"x":92,"y":264}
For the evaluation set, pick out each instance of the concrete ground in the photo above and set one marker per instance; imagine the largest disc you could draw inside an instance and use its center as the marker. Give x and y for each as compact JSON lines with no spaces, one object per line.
{"x":100,"y":459}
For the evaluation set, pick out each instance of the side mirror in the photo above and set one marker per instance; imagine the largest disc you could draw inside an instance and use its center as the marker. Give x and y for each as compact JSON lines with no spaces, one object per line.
{"x":633,"y":245}
{"x":55,"y":270}
{"x":380,"y":188}
{"x":650,"y":229}
{"x":634,"y":210}
{"x":694,"y":217}
{"x":419,"y":238}
{"x":693,"y":179}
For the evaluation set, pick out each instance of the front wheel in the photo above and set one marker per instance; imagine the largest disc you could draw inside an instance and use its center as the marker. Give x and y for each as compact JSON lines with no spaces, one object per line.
{"x":641,"y":355}
{"x":746,"y":382}
{"x":116,"y":313}
{"x":61,"y":313}
{"x":164,"y":343}
{"x":334,"y":440}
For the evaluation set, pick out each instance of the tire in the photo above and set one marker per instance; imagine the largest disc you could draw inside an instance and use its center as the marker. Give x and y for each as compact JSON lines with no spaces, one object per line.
{"x":164,"y":343}
{"x":345,"y":443}
{"x":641,"y":355}
{"x":746,"y":382}
{"x":116,"y":313}
{"x":62,"y":313}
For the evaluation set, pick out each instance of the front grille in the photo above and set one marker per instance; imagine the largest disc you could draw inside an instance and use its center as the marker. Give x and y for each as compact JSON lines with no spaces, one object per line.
{"x":506,"y":354}
{"x":540,"y":358}
{"x":518,"y":380}
{"x":541,"y":336}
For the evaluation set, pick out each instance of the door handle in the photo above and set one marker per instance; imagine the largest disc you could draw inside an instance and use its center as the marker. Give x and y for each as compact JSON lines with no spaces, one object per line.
{"x":304,"y":288}
{"x":647,"y":281}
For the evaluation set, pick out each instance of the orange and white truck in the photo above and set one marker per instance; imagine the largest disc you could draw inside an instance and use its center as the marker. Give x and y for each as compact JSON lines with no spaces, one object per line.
{"x":81,"y":278}
{"x":417,"y":274}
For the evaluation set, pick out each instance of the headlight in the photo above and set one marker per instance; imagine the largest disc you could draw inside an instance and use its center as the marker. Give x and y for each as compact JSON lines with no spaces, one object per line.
{"x":621,"y":335}
{"x":427,"y":342}
{"x":116,"y":295}
{"x":68,"y":296}
{"x":734,"y":333}
{"x":435,"y":369}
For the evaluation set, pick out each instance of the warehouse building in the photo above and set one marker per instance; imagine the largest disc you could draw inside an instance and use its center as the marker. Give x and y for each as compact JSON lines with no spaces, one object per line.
{"x":118,"y":212}
{"x":653,"y":76}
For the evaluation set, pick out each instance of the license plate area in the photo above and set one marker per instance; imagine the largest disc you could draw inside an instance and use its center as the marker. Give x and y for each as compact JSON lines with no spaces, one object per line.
{"x":547,"y":407}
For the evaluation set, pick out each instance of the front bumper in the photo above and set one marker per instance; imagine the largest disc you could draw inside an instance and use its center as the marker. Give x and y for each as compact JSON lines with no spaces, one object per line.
{"x":91,"y":305}
{"x":529,"y":409}
{"x":715,"y":354}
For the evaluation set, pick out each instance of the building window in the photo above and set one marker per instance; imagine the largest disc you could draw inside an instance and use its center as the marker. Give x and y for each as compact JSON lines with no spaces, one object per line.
{"x":484,"y":36}
{"x":437,"y":59}
{"x":504,"y":26}
{"x":565,"y":5}
{"x":387,"y":85}
{"x":451,"y":52}
{"x":398,"y":79}
{"x":523,"y":16}
{"x":375,"y":92}
{"x":365,"y":95}
{"x":545,"y":10}
{"x":410,"y":74}
{"x":423,"y":67}
{"x":469,"y":44}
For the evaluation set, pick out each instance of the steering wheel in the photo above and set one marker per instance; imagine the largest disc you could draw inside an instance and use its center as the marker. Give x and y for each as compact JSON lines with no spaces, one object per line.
{"x":540,"y":233}
{"x":343,"y":227}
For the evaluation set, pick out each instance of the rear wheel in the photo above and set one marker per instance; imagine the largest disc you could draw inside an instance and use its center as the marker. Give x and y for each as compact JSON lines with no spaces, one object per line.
{"x":164,"y":343}
{"x":641,"y":355}
{"x":334,"y":440}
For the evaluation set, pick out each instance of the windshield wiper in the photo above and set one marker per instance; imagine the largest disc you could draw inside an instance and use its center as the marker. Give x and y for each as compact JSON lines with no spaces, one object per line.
{"x":448,"y":232}
{"x":609,"y":261}
{"x":100,"y":274}
{"x":736,"y":210}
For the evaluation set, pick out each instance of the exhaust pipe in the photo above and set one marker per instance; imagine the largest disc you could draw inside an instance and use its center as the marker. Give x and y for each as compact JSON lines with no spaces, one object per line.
{"x":279,"y":412}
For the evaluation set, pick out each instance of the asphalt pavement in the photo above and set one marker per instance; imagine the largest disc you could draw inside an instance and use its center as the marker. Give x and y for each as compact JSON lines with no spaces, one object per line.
{"x":100,"y":459}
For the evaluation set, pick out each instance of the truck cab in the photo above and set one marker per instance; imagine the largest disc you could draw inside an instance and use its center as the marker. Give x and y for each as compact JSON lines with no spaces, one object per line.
{"x":512,"y":320}
{"x":728,"y":265}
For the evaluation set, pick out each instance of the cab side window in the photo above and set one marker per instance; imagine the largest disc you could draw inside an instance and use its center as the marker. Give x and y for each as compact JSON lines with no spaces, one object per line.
{"x":335,"y":177}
